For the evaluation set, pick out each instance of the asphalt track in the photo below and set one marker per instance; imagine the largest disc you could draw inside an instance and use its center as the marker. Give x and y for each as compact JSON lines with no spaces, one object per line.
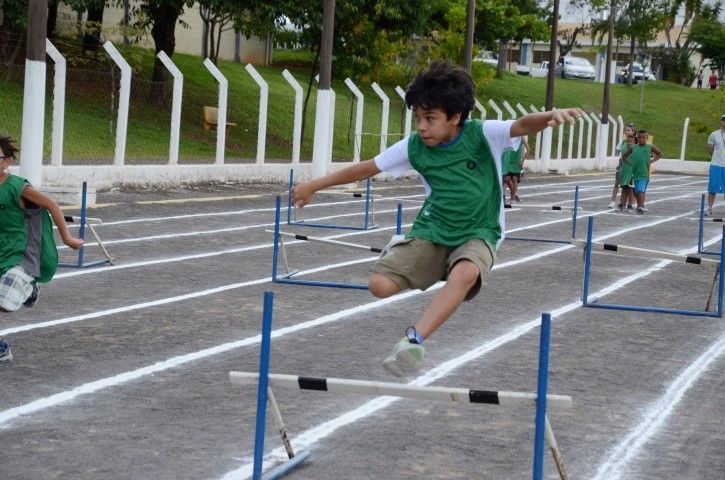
{"x":122,"y":372}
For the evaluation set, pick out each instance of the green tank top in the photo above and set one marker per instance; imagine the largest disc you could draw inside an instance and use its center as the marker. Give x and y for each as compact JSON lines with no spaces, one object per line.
{"x":15,"y":223}
{"x":640,"y":161}
{"x":465,"y":200}
{"x":512,"y":159}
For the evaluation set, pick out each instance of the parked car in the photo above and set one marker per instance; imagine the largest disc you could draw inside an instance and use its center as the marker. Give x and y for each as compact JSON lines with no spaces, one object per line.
{"x":486,"y":56}
{"x":575,"y":67}
{"x":638,"y":72}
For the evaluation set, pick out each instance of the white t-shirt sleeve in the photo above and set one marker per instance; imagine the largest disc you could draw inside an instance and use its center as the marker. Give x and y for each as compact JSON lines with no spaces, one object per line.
{"x":711,"y":138}
{"x":395,"y":159}
{"x":498,"y":136}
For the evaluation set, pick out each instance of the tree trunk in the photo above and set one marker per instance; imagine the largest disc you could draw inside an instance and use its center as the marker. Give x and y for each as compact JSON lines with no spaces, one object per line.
{"x":501,"y":65}
{"x":630,"y":73}
{"x":164,"y":23}
{"x":52,"y":17}
{"x":92,"y":35}
{"x":212,"y":44}
{"x":309,"y":90}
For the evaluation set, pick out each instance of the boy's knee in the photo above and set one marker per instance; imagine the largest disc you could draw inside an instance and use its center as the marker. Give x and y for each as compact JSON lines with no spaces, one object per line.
{"x":381,"y":286}
{"x":465,"y":272}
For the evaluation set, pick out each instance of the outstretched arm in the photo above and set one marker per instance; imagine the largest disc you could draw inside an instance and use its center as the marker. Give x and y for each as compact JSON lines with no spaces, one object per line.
{"x":536,"y":122}
{"x":43,"y":201}
{"x":303,"y":192}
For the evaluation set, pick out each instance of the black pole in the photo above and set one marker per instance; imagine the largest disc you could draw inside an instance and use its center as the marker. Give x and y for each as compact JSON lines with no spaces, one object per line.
{"x":608,"y":66}
{"x":468,"y":50}
{"x":549,"y":105}
{"x":328,"y":25}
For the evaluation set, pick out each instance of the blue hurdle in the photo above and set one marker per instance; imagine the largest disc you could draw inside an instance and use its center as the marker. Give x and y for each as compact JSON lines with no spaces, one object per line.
{"x":286,"y":278}
{"x":573,"y":223}
{"x":263,"y":390}
{"x":368,"y":219}
{"x":701,"y":229}
{"x":83,"y":223}
{"x":544,"y":434}
{"x":586,"y":302}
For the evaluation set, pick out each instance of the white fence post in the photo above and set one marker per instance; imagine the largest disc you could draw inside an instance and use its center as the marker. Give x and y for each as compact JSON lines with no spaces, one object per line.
{"x":124,"y":97}
{"x":522,"y":109}
{"x":537,"y":149}
{"x":559,"y":140}
{"x":499,"y":113}
{"x":221,"y":125}
{"x":56,"y":156}
{"x":480,"y":108}
{"x":613,"y":121}
{"x":511,"y":111}
{"x":262,"y":122}
{"x":581,"y":138}
{"x":358,"y":118}
{"x":571,"y":141}
{"x":684,"y":138}
{"x":175,"y":106}
{"x":297,"y":129}
{"x":408,"y":112}
{"x":384,"y":120}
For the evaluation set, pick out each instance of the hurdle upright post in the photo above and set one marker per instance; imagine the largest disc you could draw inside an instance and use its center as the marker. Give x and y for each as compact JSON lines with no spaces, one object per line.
{"x":275,"y":248}
{"x":262,"y":387}
{"x":539,"y":439}
{"x":587,"y":262}
{"x":368,"y":199}
{"x":574,"y":212}
{"x":721,"y":285}
{"x":399,"y":220}
{"x":701,"y":226}
{"x":82,"y":228}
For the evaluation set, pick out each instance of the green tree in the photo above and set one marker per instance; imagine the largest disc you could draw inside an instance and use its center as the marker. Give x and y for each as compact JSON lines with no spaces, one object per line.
{"x":708,"y":33}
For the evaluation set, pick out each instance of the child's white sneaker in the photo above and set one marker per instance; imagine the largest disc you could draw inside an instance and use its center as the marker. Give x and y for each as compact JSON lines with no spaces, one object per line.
{"x":407,"y":354}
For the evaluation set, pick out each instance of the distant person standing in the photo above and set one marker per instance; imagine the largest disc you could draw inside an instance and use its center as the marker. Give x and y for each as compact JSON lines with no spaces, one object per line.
{"x":716,"y":148}
{"x":699,"y":80}
{"x":712,"y":80}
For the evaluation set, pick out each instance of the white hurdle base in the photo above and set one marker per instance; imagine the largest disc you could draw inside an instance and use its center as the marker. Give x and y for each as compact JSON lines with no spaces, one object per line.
{"x":365,"y":387}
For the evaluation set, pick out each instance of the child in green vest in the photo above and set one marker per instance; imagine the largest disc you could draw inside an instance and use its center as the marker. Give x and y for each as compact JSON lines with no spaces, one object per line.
{"x":28,"y":254}
{"x":640,"y":156}
{"x":513,"y":162}
{"x":461,"y":222}
{"x":626,"y":178}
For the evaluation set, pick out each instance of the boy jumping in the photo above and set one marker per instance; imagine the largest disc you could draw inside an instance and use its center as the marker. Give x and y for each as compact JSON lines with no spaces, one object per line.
{"x":461,"y":223}
{"x":27,"y":250}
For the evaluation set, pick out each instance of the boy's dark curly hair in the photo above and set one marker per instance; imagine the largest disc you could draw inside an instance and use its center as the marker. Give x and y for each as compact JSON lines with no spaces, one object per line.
{"x":443,"y":85}
{"x":8,"y":146}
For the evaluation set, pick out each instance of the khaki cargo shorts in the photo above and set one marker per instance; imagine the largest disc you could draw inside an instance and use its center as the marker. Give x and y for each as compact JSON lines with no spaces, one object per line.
{"x":418,"y":263}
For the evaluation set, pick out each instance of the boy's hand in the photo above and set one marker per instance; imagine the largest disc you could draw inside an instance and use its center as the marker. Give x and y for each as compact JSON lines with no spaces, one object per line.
{"x":74,"y":243}
{"x":566,"y":115}
{"x":302,"y":194}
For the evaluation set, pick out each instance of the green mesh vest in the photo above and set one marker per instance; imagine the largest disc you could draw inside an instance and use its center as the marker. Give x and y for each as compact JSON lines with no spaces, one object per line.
{"x":18,"y":242}
{"x":466,"y":197}
{"x":640,"y":161}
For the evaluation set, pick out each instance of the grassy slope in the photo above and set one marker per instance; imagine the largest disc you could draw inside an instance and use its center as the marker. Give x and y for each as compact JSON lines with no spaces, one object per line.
{"x":90,"y":138}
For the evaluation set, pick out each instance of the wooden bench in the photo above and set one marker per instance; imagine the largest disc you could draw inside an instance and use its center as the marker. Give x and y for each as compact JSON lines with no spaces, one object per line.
{"x":211,"y":119}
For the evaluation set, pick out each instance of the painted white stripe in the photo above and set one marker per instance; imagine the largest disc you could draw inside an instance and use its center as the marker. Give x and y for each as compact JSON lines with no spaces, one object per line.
{"x":122,"y":378}
{"x":656,"y":415}
{"x":313,"y":435}
{"x":179,"y":298}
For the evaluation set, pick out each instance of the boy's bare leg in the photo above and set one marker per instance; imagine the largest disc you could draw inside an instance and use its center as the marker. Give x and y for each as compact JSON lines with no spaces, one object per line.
{"x":461,"y":278}
{"x":381,"y":286}
{"x":710,"y":200}
{"x":514,"y":188}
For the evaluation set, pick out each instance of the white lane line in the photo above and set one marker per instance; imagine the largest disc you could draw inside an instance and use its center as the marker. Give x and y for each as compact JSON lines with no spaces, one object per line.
{"x":62,"y":397}
{"x":167,"y":236}
{"x":310,"y":437}
{"x":178,"y":298}
{"x":656,"y":415}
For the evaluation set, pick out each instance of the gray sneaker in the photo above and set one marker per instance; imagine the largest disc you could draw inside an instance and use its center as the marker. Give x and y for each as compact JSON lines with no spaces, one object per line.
{"x":5,"y":353}
{"x":405,"y":358}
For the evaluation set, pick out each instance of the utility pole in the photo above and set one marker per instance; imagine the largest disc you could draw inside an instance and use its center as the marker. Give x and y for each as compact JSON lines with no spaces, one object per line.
{"x":470,"y":25}
{"x":31,"y":140}
{"x":549,"y":104}
{"x":322,"y":147}
{"x":604,"y":129}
